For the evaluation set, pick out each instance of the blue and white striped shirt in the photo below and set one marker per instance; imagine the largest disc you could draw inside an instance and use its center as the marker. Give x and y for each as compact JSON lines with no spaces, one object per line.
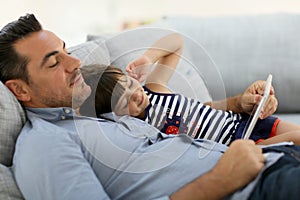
{"x":175,"y":113}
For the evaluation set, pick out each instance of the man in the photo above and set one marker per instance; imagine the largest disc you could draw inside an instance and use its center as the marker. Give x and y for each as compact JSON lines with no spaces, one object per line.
{"x":60,"y":155}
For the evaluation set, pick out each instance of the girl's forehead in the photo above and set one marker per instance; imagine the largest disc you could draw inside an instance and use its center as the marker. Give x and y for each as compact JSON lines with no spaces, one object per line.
{"x":124,"y":78}
{"x":128,"y":81}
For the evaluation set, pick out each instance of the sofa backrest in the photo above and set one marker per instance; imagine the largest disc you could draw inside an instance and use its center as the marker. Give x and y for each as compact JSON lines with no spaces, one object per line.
{"x":246,"y":48}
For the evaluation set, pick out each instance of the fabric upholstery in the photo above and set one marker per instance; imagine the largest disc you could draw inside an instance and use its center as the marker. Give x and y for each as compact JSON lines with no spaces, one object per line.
{"x":8,"y":187}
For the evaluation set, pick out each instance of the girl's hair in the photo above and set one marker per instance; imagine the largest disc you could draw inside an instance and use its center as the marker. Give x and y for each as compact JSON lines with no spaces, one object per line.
{"x":12,"y":64}
{"x":106,"y":89}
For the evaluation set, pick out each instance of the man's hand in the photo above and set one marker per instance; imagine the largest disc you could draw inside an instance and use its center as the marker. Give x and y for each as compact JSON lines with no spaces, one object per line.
{"x":139,"y":68}
{"x":253,"y":95}
{"x":239,"y":165}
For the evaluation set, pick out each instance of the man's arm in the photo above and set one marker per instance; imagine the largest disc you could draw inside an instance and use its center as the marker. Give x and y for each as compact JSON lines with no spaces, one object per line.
{"x":243,"y":156}
{"x":245,"y":102}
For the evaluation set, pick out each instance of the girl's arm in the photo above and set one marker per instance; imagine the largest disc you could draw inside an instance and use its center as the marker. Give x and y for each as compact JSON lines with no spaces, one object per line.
{"x":167,"y":52}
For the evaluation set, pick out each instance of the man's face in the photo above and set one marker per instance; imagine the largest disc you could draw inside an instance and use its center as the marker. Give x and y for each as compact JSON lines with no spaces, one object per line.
{"x":54,"y":76}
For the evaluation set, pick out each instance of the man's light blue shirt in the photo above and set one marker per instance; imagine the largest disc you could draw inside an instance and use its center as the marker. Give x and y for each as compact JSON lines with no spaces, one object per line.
{"x":63,"y":156}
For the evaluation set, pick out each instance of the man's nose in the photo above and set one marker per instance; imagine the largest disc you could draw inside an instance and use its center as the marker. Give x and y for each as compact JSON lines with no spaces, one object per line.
{"x":71,"y":63}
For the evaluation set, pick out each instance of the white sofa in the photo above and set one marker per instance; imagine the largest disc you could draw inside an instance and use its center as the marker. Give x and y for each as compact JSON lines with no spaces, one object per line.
{"x":222,"y":56}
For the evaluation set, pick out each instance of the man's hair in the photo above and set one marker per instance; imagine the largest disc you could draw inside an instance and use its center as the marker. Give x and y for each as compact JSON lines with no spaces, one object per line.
{"x":13,"y":65}
{"x":106,"y":88}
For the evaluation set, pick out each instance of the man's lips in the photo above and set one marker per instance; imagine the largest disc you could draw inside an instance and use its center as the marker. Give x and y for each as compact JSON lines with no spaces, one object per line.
{"x":77,"y":80}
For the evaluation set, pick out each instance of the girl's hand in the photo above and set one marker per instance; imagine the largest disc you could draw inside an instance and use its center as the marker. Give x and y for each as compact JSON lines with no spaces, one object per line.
{"x":139,"y":68}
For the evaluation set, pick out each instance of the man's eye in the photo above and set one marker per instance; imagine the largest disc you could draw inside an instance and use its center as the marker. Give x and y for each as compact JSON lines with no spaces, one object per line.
{"x":51,"y":66}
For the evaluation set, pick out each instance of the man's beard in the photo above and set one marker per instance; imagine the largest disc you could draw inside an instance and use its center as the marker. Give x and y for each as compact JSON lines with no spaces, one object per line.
{"x":80,"y":94}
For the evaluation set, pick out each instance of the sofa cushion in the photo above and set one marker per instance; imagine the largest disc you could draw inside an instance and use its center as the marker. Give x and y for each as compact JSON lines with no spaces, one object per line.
{"x":8,"y":187}
{"x":12,"y":118}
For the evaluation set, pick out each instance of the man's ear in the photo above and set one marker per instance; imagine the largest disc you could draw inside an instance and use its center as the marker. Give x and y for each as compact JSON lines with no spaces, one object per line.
{"x":19,"y":89}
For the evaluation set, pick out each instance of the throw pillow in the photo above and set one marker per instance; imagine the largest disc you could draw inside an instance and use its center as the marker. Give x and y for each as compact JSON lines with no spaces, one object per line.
{"x":12,"y":119}
{"x":91,"y":52}
{"x":8,"y":187}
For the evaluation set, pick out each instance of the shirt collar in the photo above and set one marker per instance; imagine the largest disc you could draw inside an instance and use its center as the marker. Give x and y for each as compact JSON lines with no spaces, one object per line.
{"x":51,"y":114}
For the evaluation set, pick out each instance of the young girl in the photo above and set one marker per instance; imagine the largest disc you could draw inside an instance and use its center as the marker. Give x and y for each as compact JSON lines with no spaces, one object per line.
{"x":174,"y":113}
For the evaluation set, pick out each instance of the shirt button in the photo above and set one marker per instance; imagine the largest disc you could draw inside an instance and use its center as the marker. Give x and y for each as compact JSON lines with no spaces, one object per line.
{"x":67,"y":111}
{"x":63,"y":117}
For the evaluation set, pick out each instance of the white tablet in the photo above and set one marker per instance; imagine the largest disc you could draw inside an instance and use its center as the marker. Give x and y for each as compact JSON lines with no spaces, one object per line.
{"x":253,"y":119}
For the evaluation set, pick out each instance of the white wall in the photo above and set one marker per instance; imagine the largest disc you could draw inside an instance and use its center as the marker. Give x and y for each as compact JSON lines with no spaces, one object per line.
{"x":72,"y":20}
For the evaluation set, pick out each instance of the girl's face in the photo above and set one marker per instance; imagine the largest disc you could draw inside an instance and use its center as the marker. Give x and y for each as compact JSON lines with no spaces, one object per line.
{"x":134,"y":100}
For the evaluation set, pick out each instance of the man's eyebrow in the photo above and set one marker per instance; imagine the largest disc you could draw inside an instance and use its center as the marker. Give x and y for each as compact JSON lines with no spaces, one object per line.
{"x":48,"y":55}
